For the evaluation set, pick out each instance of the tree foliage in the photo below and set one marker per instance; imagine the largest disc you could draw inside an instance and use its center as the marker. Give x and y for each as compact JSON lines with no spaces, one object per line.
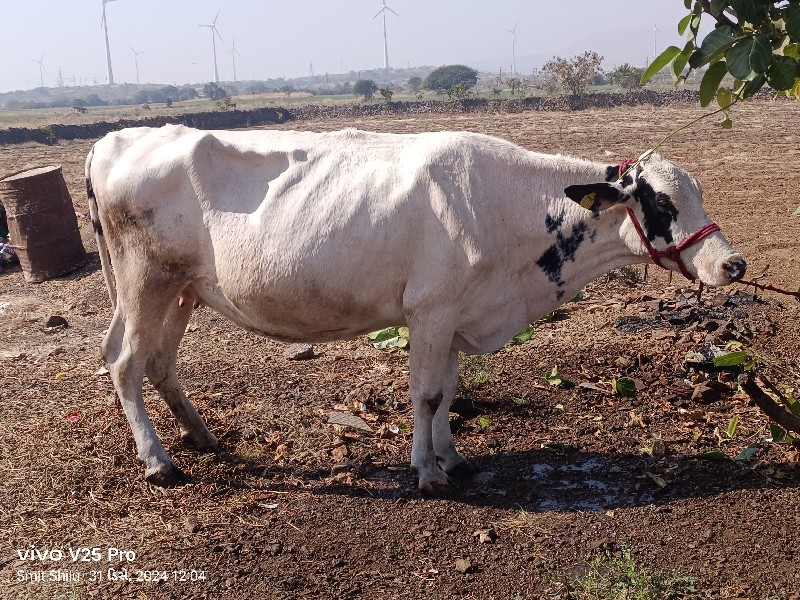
{"x":414,"y":83}
{"x":366,"y":88}
{"x":386,"y":94}
{"x":213,"y":91}
{"x":444,"y":78}
{"x":574,"y":75}
{"x":755,"y":41}
{"x":627,"y":76}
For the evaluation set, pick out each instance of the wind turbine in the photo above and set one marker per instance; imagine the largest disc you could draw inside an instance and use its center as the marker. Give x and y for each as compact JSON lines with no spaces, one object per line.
{"x":234,"y":52}
{"x":104,"y":25}
{"x":214,"y":31}
{"x":513,"y":33}
{"x":656,"y":31}
{"x":385,"y":46}
{"x":41,"y":68}
{"x":136,"y":60}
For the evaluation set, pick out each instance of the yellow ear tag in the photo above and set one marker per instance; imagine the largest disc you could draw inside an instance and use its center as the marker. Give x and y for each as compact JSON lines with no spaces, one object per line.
{"x":588,"y":201}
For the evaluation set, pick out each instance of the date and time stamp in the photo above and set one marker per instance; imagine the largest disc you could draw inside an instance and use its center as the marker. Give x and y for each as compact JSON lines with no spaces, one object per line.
{"x":94,"y":565}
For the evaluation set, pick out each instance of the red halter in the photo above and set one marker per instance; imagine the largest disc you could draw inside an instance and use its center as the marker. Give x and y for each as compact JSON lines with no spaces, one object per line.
{"x":672,"y":252}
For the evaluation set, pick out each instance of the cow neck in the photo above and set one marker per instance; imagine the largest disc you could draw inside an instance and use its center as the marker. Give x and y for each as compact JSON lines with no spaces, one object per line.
{"x":673,"y":251}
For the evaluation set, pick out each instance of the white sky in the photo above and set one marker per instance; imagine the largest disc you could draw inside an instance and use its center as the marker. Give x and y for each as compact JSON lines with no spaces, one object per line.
{"x":281,"y":38}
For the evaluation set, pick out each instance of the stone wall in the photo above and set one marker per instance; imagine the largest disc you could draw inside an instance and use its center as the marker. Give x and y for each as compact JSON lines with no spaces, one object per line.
{"x":264,"y":116}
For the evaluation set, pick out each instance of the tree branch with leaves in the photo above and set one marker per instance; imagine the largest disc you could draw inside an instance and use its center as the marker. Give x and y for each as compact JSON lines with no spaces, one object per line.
{"x":755,"y":41}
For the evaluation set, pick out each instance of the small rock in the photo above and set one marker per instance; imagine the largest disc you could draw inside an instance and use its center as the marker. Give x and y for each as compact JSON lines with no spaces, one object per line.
{"x":192,"y":524}
{"x":486,"y":536}
{"x":705,"y":394}
{"x":663,"y":334}
{"x":463,"y":565}
{"x":659,"y":448}
{"x":299,"y":352}
{"x":340,"y":453}
{"x":282,"y":452}
{"x":56,"y":321}
{"x":719,"y":300}
{"x":622,"y":362}
{"x":342,"y":467}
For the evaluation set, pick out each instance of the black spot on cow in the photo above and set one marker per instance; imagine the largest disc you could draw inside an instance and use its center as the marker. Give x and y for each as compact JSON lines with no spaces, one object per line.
{"x":612,"y":174}
{"x":569,"y":245}
{"x":563,"y":250}
{"x":659,"y":211}
{"x":560,"y":295}
{"x":552,"y":222}
{"x":551,"y":263}
{"x":97,"y":227}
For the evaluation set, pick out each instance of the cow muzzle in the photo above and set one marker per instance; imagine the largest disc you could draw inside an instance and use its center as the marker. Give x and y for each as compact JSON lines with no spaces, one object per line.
{"x":735,"y":267}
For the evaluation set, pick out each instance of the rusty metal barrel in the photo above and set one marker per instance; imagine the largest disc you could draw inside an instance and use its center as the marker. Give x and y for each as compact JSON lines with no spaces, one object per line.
{"x":42,"y":223}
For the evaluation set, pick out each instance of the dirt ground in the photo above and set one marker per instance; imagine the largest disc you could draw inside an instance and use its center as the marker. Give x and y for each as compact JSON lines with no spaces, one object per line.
{"x":570,"y":478}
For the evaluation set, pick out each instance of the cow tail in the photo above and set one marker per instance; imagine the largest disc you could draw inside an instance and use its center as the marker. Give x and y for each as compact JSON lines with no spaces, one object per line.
{"x":102,"y":247}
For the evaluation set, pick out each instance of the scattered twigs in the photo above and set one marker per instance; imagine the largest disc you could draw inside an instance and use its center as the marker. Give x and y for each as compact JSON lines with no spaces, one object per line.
{"x":768,"y":287}
{"x":782,"y":417}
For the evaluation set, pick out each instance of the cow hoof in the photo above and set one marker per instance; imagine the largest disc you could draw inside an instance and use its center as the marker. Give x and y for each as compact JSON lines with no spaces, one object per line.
{"x":463,"y":470}
{"x":439,"y":489}
{"x":201,"y":443}
{"x":166,"y":477}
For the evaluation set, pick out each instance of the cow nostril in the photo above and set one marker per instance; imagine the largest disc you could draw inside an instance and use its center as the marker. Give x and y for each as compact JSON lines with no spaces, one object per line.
{"x":735,"y":268}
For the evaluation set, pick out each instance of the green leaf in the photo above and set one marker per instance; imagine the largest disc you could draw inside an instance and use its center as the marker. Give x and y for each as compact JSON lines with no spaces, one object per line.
{"x":661,"y":61}
{"x":726,"y":123}
{"x":751,"y":11}
{"x":782,"y":73}
{"x":518,"y":401}
{"x":724,"y":98}
{"x":484,"y":422}
{"x":748,"y":453}
{"x":751,"y":87}
{"x":624,"y":386}
{"x":524,"y":335}
{"x":793,"y":21}
{"x":687,"y":4}
{"x":713,"y":455}
{"x":731,"y":359}
{"x":711,"y":80}
{"x":749,"y":57}
{"x":777,"y":433}
{"x":792,"y":50}
{"x":684,"y":23}
{"x":719,"y":39}
{"x":680,"y":61}
{"x":391,"y":337}
{"x":717,"y":6}
{"x":732,"y":426}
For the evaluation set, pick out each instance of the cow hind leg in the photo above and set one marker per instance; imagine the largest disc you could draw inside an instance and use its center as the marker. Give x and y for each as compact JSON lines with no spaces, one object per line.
{"x":132,"y":338}
{"x":160,"y":370}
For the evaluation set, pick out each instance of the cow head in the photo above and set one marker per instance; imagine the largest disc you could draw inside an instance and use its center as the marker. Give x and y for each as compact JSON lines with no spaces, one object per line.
{"x":664,"y":205}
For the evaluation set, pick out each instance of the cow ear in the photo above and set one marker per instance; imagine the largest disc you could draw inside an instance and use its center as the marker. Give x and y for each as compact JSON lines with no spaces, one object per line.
{"x":596,"y":196}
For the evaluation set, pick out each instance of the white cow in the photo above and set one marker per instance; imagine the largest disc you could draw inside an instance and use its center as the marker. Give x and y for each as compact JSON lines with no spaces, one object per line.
{"x":314,"y":237}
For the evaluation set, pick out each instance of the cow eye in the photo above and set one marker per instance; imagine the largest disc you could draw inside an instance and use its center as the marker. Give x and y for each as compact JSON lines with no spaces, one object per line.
{"x":663,"y":201}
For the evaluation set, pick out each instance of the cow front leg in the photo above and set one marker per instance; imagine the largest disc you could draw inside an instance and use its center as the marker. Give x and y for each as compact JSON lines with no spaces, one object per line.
{"x":433,"y":377}
{"x":449,"y":459}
